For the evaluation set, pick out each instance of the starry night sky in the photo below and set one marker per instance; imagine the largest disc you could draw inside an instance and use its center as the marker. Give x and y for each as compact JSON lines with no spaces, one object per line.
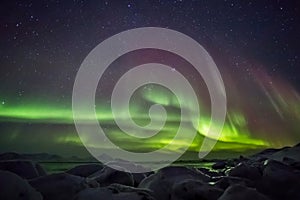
{"x":255,"y":45}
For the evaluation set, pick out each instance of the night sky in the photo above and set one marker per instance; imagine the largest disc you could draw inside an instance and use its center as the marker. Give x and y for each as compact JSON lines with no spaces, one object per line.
{"x":255,"y":45}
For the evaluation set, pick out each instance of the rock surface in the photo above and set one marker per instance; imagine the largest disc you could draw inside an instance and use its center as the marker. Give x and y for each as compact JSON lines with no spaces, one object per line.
{"x":244,"y":170}
{"x":85,"y":170}
{"x":108,"y":176}
{"x":114,"y":192}
{"x":195,"y":190}
{"x":219,"y":165}
{"x":161,"y":183}
{"x":241,"y":192}
{"x":279,"y":180}
{"x":271,"y":174}
{"x":60,"y":186}
{"x":13,"y":187}
{"x":24,"y":168}
{"x":226,"y":181}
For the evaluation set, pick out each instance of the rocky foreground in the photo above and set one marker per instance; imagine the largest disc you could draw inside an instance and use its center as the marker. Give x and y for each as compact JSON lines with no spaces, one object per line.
{"x":271,"y":174}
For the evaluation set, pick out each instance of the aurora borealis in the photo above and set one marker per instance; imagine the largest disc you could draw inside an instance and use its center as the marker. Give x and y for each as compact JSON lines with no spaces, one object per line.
{"x":254,"y":45}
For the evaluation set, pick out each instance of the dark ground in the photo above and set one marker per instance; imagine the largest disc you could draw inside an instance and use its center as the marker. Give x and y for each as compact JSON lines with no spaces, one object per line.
{"x":270,"y":174}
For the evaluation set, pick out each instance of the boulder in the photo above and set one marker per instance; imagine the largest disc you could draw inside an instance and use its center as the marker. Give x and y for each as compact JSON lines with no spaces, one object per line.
{"x":226,"y":181}
{"x":108,"y":176}
{"x":279,"y":180}
{"x":85,"y":170}
{"x":296,"y":165}
{"x":123,"y":164}
{"x":263,"y":155}
{"x":241,"y":192}
{"x":114,"y":192}
{"x":13,"y":187}
{"x":287,"y":153}
{"x":41,"y":171}
{"x":244,"y":170}
{"x":59,"y":186}
{"x":131,"y":196}
{"x":126,"y":192}
{"x":11,"y":156}
{"x":24,"y":168}
{"x":138,"y":178}
{"x":94,"y":194}
{"x":219,"y":165}
{"x":195,"y":190}
{"x":161,"y":183}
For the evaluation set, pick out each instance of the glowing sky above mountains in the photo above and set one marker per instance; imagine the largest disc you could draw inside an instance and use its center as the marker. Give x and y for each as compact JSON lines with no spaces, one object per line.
{"x":254,"y":44}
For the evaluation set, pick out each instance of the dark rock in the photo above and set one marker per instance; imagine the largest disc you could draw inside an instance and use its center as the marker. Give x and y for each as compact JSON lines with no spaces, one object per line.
{"x":293,"y":193}
{"x":261,"y":159}
{"x":288,"y":161}
{"x":11,"y":156}
{"x":60,"y":186}
{"x":227,"y":181}
{"x":279,"y":180}
{"x":137,"y":177}
{"x":219,"y":165}
{"x":287,"y":152}
{"x":241,"y":192}
{"x":94,"y":194}
{"x":85,"y":170}
{"x":161,"y":183}
{"x":108,"y":176}
{"x":245,"y":171}
{"x":131,"y":196}
{"x":41,"y":171}
{"x":278,"y":154}
{"x":265,"y":153}
{"x":297,"y":145}
{"x":296,"y":165}
{"x":195,"y":190}
{"x":135,"y":193}
{"x":24,"y":168}
{"x":114,"y":192}
{"x":13,"y":187}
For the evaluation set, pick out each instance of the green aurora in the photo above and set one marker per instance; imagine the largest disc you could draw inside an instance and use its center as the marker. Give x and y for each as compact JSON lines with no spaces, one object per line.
{"x":41,"y":126}
{"x":235,"y":134}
